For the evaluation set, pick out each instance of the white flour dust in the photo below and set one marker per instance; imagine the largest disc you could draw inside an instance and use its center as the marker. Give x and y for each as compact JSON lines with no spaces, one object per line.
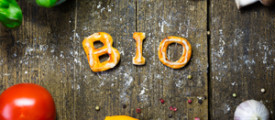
{"x":127,"y":79}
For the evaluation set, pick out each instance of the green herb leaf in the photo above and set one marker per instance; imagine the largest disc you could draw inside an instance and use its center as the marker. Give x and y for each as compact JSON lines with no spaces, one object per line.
{"x":46,"y":3}
{"x":10,"y":13}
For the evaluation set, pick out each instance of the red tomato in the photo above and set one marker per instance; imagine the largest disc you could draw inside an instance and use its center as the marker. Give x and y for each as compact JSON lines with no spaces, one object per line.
{"x":27,"y":102}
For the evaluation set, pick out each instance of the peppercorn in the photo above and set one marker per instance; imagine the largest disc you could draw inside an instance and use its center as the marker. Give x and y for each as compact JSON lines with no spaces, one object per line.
{"x":208,"y":33}
{"x":196,"y":118}
{"x":189,"y":77}
{"x":189,"y":101}
{"x":234,"y":95}
{"x":124,"y":106}
{"x":138,"y":110}
{"x":173,"y":108}
{"x":162,"y":101}
{"x":200,"y":101}
{"x":97,"y":108}
{"x":263,"y":90}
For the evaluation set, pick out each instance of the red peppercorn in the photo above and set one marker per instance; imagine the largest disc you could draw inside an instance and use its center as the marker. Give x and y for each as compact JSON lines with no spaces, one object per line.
{"x":196,"y":118}
{"x":161,"y":100}
{"x":173,"y":108}
{"x":138,"y":110}
{"x":189,"y":101}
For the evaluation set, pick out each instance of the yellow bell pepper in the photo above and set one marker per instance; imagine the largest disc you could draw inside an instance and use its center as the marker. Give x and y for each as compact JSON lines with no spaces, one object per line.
{"x":120,"y":117}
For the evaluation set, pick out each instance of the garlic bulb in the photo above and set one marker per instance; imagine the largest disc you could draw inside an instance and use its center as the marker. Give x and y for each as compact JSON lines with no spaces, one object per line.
{"x":251,"y":110}
{"x":243,"y":3}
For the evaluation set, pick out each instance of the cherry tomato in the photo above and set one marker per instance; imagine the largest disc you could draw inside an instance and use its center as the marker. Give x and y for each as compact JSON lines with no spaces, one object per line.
{"x":27,"y":102}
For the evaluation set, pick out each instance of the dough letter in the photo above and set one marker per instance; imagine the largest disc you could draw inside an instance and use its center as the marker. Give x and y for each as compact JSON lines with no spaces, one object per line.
{"x":139,"y":59}
{"x":93,"y":53}
{"x":186,"y":53}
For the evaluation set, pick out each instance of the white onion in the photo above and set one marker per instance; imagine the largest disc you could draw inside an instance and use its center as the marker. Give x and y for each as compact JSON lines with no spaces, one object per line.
{"x":251,"y":110}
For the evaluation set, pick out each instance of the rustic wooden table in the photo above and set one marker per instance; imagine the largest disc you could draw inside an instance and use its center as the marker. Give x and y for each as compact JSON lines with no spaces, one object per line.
{"x":237,"y":57}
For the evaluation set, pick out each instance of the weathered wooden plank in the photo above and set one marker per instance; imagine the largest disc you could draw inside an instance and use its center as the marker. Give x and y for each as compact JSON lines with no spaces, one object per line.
{"x":47,"y":50}
{"x":113,"y":88}
{"x":38,"y":52}
{"x":160,"y":19}
{"x":242,"y":56}
{"x":4,"y":74}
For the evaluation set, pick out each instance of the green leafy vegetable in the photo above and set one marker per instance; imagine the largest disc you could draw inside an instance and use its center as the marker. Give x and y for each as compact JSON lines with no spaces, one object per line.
{"x":46,"y":3}
{"x":10,"y":13}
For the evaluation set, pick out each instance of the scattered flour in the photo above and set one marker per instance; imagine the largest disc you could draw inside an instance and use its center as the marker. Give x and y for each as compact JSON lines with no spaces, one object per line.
{"x":179,"y":83}
{"x":226,"y":108}
{"x":234,"y":83}
{"x":1,"y":62}
{"x":6,"y":74}
{"x":99,"y":5}
{"x":127,"y":83}
{"x":143,"y":97}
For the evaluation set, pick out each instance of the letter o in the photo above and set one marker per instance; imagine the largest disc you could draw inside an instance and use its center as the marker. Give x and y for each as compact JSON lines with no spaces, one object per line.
{"x":186,"y":53}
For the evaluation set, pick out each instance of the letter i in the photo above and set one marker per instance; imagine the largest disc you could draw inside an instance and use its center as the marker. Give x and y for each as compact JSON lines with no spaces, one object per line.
{"x":139,"y":59}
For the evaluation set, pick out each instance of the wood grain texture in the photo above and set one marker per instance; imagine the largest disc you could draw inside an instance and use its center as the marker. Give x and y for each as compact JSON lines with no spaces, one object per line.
{"x":113,"y":88}
{"x":242,"y":57}
{"x":37,"y":52}
{"x":47,"y":50}
{"x":159,"y":19}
